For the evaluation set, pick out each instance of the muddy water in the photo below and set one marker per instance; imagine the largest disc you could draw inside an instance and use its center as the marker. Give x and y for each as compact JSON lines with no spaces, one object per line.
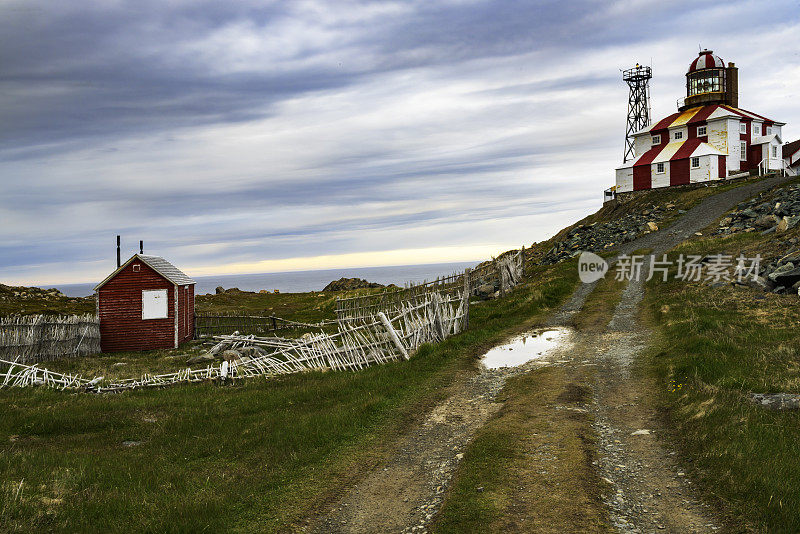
{"x":526,"y":347}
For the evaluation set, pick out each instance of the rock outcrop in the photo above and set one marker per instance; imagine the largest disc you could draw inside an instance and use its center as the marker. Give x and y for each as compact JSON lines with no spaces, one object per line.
{"x":346,"y":284}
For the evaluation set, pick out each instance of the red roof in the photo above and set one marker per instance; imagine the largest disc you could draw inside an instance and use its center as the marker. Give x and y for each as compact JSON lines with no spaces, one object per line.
{"x":789,"y":149}
{"x":706,"y":60}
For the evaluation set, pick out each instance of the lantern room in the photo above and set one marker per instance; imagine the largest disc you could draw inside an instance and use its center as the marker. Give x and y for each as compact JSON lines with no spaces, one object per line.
{"x":709,"y":81}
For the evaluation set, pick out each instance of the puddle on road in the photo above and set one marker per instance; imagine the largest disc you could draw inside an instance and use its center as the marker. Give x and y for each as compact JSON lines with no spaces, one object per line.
{"x":527,"y":347}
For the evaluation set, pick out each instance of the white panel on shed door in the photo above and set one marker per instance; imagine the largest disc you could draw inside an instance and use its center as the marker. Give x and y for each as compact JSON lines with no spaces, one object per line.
{"x":154,"y":304}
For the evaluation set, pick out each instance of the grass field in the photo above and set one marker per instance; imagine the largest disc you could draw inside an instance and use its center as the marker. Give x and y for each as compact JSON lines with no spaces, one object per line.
{"x":714,"y":346}
{"x":255,"y":456}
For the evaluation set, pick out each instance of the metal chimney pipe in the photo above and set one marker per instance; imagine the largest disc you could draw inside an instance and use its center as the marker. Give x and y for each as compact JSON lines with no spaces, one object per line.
{"x":141,"y":247}
{"x":119,"y":262}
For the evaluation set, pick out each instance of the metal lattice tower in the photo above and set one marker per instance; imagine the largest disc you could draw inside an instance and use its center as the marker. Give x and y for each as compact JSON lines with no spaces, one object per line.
{"x":638,"y":79}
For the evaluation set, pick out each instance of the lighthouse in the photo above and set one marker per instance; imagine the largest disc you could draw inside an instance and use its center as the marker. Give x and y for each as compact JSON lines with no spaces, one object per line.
{"x":709,"y":137}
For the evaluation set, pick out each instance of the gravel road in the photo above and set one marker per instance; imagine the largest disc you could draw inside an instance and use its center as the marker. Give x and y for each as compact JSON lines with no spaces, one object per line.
{"x":648,"y":490}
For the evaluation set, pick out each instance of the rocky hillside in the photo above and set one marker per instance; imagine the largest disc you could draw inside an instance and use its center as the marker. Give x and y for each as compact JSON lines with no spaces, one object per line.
{"x":599,"y":236}
{"x":28,"y":293}
{"x":33,"y":300}
{"x":776,"y":217}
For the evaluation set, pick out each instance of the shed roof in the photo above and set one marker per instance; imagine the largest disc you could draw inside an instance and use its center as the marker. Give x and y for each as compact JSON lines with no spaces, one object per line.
{"x":789,"y":149}
{"x":159,"y":265}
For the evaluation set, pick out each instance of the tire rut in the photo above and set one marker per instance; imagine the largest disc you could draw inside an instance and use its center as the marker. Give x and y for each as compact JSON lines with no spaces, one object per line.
{"x":649,"y":492}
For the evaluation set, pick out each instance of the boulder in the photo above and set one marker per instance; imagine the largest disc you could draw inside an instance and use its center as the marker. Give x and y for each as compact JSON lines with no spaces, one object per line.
{"x":786,"y":267}
{"x":220,"y":290}
{"x":231,"y":355}
{"x":485,"y":291}
{"x":786,"y":278}
{"x":777,"y":401}
{"x":749,"y":213}
{"x":201,"y":358}
{"x":250,"y":352}
{"x":652,"y":226}
{"x":787,"y":223}
{"x":765,"y":221}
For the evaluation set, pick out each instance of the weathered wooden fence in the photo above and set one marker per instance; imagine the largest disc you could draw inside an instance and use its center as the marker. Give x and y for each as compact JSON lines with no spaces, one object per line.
{"x":372,"y":329}
{"x":38,"y":338}
{"x":506,"y":271}
{"x":214,"y":324}
{"x":385,"y":339}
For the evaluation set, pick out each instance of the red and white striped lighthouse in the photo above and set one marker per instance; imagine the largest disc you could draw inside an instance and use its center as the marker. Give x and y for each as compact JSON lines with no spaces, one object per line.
{"x":708,"y":138}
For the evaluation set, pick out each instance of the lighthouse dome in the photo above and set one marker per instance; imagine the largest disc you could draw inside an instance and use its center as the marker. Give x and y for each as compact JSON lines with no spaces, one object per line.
{"x":706,"y":60}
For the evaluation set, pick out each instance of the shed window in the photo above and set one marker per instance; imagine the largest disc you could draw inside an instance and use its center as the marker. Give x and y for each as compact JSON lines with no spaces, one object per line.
{"x":742,"y":150}
{"x":678,"y":135}
{"x":154,"y":304}
{"x":137,"y":267}
{"x":774,"y":151}
{"x":695,"y":162}
{"x":660,"y":168}
{"x":657,"y":139}
{"x":701,"y":131}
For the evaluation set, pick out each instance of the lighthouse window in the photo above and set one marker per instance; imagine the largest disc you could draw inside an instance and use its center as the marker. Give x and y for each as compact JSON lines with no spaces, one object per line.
{"x":769,"y":130}
{"x":657,"y":139}
{"x":660,"y":168}
{"x":701,"y":131}
{"x":743,"y":150}
{"x":678,"y":135}
{"x":743,"y":127}
{"x":774,"y":151}
{"x":756,"y":129}
{"x":707,"y":81}
{"x":695,"y":162}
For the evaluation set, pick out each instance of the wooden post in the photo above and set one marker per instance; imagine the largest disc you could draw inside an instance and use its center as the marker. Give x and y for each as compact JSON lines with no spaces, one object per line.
{"x":499,"y":272}
{"x":393,"y":334}
{"x":467,"y":292}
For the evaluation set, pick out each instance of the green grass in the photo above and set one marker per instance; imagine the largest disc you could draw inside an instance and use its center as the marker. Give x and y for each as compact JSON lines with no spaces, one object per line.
{"x":714,"y":346}
{"x":255,"y":456}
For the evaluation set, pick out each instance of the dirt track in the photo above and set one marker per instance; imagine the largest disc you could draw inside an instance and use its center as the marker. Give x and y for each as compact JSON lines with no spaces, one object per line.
{"x":647,"y":490}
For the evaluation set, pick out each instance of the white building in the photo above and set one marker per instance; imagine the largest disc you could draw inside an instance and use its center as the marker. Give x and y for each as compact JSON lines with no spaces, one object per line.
{"x":709,"y":138}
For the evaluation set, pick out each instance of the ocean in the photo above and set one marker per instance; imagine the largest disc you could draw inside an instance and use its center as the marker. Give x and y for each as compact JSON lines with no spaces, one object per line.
{"x":302,"y":281}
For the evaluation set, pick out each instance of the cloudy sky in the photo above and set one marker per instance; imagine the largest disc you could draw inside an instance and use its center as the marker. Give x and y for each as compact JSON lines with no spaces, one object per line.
{"x":256,"y":136}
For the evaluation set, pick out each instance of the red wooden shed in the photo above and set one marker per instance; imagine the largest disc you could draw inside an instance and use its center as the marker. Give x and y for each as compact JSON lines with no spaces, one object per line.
{"x":147,"y":303}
